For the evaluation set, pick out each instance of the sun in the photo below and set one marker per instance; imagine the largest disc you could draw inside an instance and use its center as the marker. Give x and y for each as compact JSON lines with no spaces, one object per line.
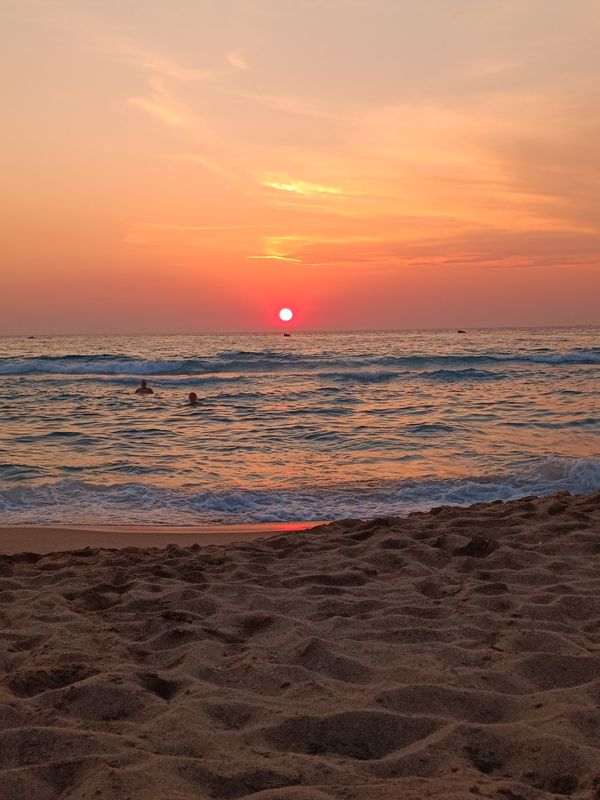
{"x":285,"y":314}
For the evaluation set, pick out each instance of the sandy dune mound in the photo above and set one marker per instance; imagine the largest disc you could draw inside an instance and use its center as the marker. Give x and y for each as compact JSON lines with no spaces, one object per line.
{"x":453,"y":654}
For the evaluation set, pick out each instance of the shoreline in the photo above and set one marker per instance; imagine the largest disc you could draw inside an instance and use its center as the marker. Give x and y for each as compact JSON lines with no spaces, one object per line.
{"x":65,"y":538}
{"x":46,"y":539}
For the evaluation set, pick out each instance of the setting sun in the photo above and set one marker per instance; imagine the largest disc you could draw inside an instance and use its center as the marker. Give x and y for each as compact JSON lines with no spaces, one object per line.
{"x":285,"y":314}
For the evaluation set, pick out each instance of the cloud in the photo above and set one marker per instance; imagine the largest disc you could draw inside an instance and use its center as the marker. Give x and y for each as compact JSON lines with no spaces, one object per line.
{"x":299,"y":107}
{"x":465,"y":248}
{"x":175,"y":234}
{"x":516,"y":161}
{"x":237,"y":60}
{"x":170,"y":226}
{"x":206,"y":163}
{"x":276,"y":258}
{"x":157,"y":64}
{"x":277,"y":248}
{"x":302,"y":188}
{"x":162,"y":105}
{"x":162,"y":72}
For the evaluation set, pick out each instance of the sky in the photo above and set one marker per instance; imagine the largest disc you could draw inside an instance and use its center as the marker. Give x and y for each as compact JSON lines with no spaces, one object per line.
{"x":197,"y":165}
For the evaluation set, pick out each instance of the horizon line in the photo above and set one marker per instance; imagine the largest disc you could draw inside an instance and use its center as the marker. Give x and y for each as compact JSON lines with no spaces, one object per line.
{"x":302,"y":331}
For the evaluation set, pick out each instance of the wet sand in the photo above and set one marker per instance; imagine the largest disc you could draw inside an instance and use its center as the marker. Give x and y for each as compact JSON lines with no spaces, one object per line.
{"x":52,"y":538}
{"x":454,"y":654}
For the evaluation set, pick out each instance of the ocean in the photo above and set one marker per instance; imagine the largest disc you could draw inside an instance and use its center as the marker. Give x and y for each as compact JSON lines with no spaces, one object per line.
{"x":315,"y":426}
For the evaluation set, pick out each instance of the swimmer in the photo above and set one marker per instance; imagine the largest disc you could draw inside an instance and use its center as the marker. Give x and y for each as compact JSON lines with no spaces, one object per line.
{"x":143,"y":388}
{"x":193,"y":398}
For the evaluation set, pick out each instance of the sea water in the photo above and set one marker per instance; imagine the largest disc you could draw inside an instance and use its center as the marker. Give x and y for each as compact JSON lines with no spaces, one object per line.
{"x":315,"y":426}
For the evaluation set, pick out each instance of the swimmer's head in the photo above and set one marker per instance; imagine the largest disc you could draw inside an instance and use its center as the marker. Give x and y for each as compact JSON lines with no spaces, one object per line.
{"x":193,"y":398}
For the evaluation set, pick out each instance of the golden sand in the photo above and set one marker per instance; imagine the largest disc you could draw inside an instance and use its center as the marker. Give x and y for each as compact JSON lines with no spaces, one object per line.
{"x":452,"y":654}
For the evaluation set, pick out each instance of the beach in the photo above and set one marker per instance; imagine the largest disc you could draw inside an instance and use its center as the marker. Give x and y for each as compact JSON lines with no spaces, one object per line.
{"x":51,"y":538}
{"x":300,"y":400}
{"x":447,"y":654}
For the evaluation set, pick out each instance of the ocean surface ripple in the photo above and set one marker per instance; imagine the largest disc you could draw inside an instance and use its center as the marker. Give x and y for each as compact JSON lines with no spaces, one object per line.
{"x":314,"y":426}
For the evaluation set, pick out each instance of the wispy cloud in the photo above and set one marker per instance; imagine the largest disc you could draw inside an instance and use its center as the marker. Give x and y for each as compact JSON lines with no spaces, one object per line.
{"x":161,"y":104}
{"x":162,"y":72}
{"x":206,"y":163}
{"x":275,"y":258}
{"x":237,"y":60}
{"x":170,"y":226}
{"x":277,"y":248}
{"x":299,"y":106}
{"x":302,"y":188}
{"x":143,"y":233}
{"x":157,"y":64}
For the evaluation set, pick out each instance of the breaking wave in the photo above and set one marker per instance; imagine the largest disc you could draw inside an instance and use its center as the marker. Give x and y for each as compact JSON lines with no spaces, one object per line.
{"x":371,"y":367}
{"x":79,"y":502}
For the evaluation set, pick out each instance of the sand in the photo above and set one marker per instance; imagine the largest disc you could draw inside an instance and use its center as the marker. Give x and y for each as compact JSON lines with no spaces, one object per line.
{"x":454,"y":654}
{"x":51,"y":538}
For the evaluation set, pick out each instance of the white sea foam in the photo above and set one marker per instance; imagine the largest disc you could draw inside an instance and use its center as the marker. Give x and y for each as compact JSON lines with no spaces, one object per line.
{"x":78,"y":501}
{"x":367,"y":366}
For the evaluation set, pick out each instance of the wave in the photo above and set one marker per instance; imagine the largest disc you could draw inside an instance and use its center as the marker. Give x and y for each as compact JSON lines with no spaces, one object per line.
{"x":369,"y":365}
{"x":70,"y":501}
{"x":361,"y":376}
{"x":467,"y":374}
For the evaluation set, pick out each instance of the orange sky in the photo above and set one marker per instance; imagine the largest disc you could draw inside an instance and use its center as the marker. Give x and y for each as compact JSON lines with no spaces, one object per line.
{"x":196,"y":165}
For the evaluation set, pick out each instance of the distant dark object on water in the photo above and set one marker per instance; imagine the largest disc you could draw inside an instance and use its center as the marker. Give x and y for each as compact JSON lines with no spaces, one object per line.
{"x":460,"y":331}
{"x":31,"y":337}
{"x":287,"y":334}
